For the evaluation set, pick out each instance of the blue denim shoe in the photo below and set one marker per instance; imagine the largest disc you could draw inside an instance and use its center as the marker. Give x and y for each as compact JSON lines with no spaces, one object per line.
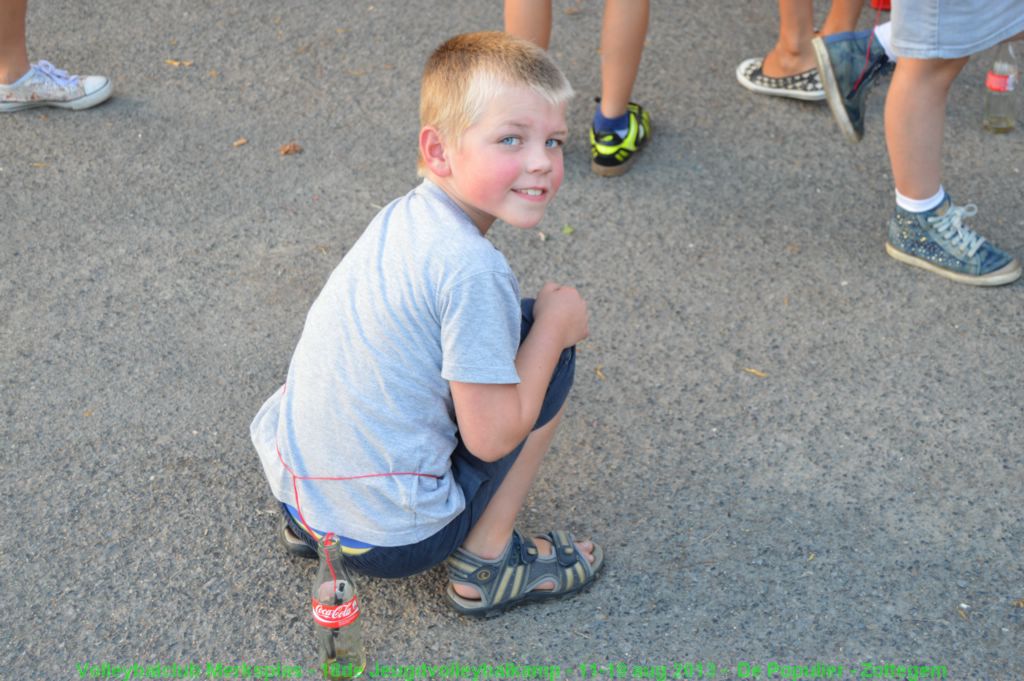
{"x":848,"y":64}
{"x":938,"y":241}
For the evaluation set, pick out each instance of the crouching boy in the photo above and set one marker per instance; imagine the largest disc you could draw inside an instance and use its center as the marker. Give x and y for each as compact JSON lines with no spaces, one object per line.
{"x":423,"y":393}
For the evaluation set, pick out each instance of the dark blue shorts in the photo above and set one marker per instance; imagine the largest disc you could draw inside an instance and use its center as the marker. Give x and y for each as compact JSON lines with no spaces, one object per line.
{"x":478,"y":479}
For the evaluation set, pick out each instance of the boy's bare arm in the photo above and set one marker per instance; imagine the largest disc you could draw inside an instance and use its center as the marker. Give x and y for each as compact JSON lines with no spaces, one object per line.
{"x":493,"y":419}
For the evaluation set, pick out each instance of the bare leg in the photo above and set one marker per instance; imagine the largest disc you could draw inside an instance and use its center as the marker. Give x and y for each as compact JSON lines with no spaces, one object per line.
{"x":792,"y":53}
{"x":842,"y":16}
{"x":13,"y":53}
{"x":529,"y":19}
{"x":492,"y":532}
{"x":623,"y":31}
{"x":915,"y":119}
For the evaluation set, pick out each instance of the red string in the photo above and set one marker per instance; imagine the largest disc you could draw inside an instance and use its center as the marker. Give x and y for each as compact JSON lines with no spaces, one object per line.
{"x":867,"y":54}
{"x":296,"y":478}
{"x":330,"y":565}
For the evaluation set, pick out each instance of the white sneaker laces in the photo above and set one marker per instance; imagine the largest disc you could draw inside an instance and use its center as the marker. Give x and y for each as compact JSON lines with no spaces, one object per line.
{"x":58,"y":76}
{"x":951,"y":227}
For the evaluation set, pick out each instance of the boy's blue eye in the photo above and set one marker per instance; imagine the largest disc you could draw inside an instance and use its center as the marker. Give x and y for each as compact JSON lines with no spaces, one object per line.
{"x":510,"y":140}
{"x":553,"y":143}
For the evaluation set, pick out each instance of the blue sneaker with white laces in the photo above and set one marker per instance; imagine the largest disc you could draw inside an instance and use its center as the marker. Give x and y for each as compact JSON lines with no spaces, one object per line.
{"x":848,"y":65}
{"x":938,"y":241}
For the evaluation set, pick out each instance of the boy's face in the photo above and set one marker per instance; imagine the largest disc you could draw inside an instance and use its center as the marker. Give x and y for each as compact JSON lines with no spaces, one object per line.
{"x":508,"y":164}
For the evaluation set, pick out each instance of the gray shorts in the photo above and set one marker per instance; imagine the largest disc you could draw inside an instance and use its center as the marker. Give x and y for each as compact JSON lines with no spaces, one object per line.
{"x":948,"y":29}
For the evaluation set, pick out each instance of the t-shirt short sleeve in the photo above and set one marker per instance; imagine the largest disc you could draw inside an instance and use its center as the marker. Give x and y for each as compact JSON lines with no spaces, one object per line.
{"x":480,"y":320}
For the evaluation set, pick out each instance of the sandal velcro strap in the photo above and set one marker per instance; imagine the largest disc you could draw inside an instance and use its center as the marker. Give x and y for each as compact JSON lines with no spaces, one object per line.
{"x":514,"y":576}
{"x":565,"y":548}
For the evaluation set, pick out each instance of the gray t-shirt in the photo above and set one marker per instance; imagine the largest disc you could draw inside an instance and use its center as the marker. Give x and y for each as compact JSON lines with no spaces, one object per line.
{"x":365,"y":420}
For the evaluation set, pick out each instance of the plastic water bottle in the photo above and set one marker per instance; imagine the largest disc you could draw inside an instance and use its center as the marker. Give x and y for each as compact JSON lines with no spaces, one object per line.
{"x":339,"y":631}
{"x":1001,"y":96}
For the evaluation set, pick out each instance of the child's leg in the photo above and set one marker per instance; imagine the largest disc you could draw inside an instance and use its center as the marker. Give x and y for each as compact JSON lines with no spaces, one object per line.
{"x":915,"y":118}
{"x":13,"y":54}
{"x":842,"y":16}
{"x":623,"y":32}
{"x":529,"y":19}
{"x":23,"y":86}
{"x":792,"y":53}
{"x":620,"y":128}
{"x":928,"y":230}
{"x":492,"y":531}
{"x":790,"y":68}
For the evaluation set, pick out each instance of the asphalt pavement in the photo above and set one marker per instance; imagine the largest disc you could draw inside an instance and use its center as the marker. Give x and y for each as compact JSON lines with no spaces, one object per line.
{"x":797,"y":452}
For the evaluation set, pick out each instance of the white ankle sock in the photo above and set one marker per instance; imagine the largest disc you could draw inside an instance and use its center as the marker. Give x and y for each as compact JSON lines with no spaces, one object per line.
{"x":883,"y":33}
{"x":920,"y":205}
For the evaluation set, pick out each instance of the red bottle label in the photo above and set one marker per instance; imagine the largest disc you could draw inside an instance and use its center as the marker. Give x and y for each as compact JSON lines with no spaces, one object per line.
{"x":999,"y":82}
{"x":336,"y":616}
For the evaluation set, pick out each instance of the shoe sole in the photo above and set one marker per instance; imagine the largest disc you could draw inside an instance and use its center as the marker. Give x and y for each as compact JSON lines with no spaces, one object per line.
{"x":84,"y":102}
{"x":614,"y":171}
{"x":832,"y":94}
{"x":1007,"y":275}
{"x":801,"y":95}
{"x":488,"y":613}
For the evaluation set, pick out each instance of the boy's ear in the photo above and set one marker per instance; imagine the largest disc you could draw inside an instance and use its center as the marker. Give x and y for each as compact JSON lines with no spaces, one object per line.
{"x":433,"y":152}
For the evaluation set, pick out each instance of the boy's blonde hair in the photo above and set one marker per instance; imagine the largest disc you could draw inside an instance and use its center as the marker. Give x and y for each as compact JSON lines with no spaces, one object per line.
{"x":466,"y":72}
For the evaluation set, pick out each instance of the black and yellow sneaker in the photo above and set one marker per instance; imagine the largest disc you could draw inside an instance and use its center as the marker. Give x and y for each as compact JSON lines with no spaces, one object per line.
{"x":612,"y":155}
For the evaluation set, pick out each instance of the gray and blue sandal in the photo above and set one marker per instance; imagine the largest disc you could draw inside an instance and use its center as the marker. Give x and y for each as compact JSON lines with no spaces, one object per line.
{"x":513,"y":578}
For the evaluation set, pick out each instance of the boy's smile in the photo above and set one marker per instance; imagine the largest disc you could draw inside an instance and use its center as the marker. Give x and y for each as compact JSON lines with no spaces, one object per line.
{"x":508,"y":164}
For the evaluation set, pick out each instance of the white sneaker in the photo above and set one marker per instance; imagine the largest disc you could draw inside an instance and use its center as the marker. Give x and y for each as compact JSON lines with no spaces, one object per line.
{"x":45,"y":85}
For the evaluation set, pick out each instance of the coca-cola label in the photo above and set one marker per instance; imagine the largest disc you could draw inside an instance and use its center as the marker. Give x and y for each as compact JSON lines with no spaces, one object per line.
{"x":1000,"y":82}
{"x":335,"y":616}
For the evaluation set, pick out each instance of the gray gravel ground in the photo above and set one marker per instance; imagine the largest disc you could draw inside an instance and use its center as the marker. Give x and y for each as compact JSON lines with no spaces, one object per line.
{"x":856,"y":501}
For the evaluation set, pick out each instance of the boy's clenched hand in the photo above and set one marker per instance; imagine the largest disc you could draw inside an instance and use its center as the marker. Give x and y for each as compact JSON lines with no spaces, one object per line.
{"x":563,"y":310}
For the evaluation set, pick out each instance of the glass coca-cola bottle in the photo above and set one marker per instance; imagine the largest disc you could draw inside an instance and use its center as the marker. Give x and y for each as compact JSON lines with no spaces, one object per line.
{"x":339,"y":631}
{"x":1001,"y":86}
